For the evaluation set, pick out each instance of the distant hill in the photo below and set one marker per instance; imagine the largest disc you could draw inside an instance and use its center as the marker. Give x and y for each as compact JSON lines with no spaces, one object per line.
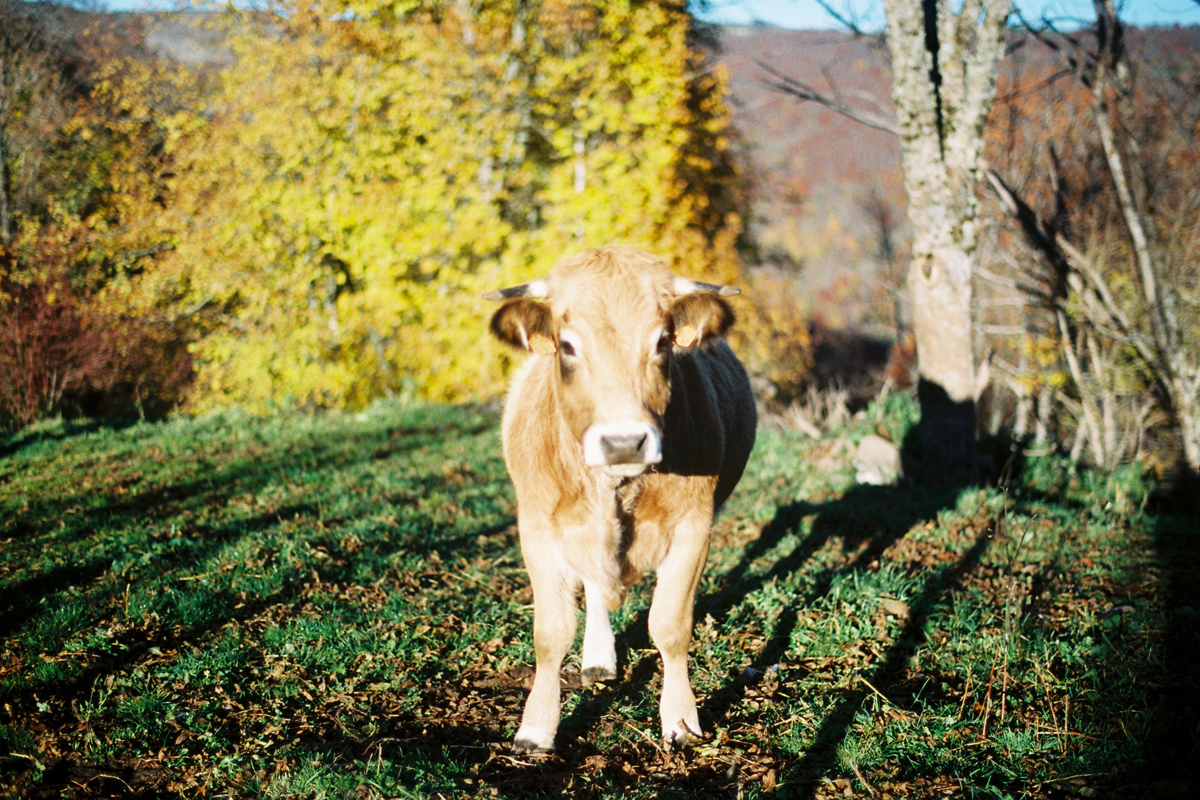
{"x":823,"y":183}
{"x":815,"y":172}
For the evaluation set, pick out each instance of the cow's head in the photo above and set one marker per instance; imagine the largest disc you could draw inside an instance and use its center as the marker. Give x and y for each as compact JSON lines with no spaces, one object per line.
{"x":613,"y":319}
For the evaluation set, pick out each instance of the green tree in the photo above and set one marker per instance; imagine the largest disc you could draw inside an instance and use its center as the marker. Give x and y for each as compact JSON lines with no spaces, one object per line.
{"x":81,"y":173}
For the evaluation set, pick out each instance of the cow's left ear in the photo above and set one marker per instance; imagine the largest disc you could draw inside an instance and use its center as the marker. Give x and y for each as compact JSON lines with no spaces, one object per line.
{"x":527,"y":324}
{"x":700,"y":318}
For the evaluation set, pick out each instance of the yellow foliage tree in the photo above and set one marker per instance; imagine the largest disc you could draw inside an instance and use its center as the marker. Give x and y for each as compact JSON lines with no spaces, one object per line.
{"x":360,"y":172}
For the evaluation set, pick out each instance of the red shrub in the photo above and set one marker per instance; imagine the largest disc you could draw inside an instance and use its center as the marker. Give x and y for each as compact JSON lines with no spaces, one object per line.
{"x":58,"y":355}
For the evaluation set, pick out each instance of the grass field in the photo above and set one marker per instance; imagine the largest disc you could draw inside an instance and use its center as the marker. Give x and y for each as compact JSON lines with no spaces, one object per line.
{"x":334,"y":606}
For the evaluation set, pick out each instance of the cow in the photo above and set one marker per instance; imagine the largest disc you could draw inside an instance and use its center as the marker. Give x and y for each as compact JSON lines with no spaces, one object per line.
{"x":625,"y":430}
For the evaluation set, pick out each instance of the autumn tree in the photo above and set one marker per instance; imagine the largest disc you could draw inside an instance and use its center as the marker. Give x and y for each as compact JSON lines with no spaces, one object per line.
{"x":30,"y":104}
{"x":359,"y":173}
{"x":82,"y":173}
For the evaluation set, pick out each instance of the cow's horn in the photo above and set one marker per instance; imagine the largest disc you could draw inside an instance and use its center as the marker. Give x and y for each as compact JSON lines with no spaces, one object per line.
{"x":536,"y":288}
{"x":687,"y":286}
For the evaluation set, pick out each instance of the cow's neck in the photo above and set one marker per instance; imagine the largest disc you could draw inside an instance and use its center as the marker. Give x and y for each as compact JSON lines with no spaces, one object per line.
{"x":614,"y":503}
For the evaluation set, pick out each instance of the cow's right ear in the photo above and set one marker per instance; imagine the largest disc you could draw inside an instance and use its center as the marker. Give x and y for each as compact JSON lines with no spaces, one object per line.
{"x":526,"y":324}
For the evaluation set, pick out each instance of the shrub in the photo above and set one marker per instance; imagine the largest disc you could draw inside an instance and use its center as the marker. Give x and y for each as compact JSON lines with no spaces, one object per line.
{"x":60,"y":355}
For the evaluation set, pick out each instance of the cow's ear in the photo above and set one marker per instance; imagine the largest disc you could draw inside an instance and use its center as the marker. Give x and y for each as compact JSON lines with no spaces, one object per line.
{"x":700,"y":318}
{"x":526,"y":324}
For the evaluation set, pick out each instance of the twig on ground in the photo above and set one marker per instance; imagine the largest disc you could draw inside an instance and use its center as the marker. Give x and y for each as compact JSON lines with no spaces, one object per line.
{"x":642,"y":733}
{"x":962,"y":706}
{"x":987,"y":700}
{"x":860,"y":777}
{"x":1046,"y":730}
{"x":878,"y":693}
{"x":1053,"y":714}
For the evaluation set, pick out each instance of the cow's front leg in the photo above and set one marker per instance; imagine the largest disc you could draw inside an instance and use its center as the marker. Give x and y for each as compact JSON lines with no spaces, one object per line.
{"x":599,"y":646}
{"x":553,"y":633}
{"x":671,"y":625}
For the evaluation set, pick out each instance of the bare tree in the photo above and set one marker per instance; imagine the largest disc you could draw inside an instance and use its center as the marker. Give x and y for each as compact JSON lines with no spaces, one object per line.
{"x":1134,"y":306}
{"x":944,"y":68}
{"x":29,"y":81}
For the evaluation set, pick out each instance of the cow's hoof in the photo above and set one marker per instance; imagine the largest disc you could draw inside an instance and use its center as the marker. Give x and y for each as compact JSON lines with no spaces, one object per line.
{"x":681,"y":735}
{"x":524,"y":747}
{"x":532,"y":742}
{"x":599,"y":675}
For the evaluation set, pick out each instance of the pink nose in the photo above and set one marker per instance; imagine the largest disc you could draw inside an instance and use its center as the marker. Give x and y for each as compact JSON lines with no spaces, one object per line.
{"x":625,"y":448}
{"x":613,"y":443}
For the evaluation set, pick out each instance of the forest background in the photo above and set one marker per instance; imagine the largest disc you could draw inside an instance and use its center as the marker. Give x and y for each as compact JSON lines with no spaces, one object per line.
{"x":299,"y":206}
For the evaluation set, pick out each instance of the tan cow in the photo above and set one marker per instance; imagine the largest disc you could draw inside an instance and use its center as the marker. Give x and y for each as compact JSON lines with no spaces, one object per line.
{"x":625,"y":430}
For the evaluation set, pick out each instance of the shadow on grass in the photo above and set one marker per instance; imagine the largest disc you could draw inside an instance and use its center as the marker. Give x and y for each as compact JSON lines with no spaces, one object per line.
{"x":79,"y":554}
{"x":454,"y":758}
{"x":25,"y":598}
{"x":15,"y":443}
{"x":887,"y":674}
{"x":1173,"y":768}
{"x":868,"y":519}
{"x":1149,"y":677}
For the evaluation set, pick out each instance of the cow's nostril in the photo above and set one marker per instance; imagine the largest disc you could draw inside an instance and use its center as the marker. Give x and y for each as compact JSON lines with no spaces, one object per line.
{"x":623,"y":448}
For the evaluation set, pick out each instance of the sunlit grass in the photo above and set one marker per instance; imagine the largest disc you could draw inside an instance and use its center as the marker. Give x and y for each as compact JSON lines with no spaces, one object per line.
{"x":334,"y":605}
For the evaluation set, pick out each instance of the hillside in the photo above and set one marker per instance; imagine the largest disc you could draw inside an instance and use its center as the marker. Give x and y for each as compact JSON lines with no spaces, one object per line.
{"x":827,"y":188}
{"x":816,"y":173}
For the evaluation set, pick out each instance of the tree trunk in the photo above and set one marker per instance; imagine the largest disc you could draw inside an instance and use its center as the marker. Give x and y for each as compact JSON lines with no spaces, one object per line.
{"x":944,"y":69}
{"x":941,"y":295}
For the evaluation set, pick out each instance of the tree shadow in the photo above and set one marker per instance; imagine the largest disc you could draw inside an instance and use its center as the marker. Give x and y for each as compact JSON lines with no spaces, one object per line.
{"x":578,"y":769}
{"x":1173,"y":766}
{"x":25,"y":598}
{"x":87,"y":561}
{"x":17,"y":442}
{"x":887,"y":674}
{"x":868,"y":520}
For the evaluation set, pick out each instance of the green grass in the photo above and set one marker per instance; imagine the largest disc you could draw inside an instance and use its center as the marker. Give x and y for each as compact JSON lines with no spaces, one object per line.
{"x":334,"y":606}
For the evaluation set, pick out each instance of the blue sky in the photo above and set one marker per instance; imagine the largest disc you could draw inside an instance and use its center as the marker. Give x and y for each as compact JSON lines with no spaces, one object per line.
{"x":809,"y":14}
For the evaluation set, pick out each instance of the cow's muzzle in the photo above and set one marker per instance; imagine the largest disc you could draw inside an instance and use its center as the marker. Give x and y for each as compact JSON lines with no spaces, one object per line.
{"x":624,"y":447}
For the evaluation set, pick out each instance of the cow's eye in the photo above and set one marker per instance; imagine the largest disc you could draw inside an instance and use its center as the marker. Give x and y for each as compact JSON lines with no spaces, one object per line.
{"x":568,"y":345}
{"x":664,"y":342}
